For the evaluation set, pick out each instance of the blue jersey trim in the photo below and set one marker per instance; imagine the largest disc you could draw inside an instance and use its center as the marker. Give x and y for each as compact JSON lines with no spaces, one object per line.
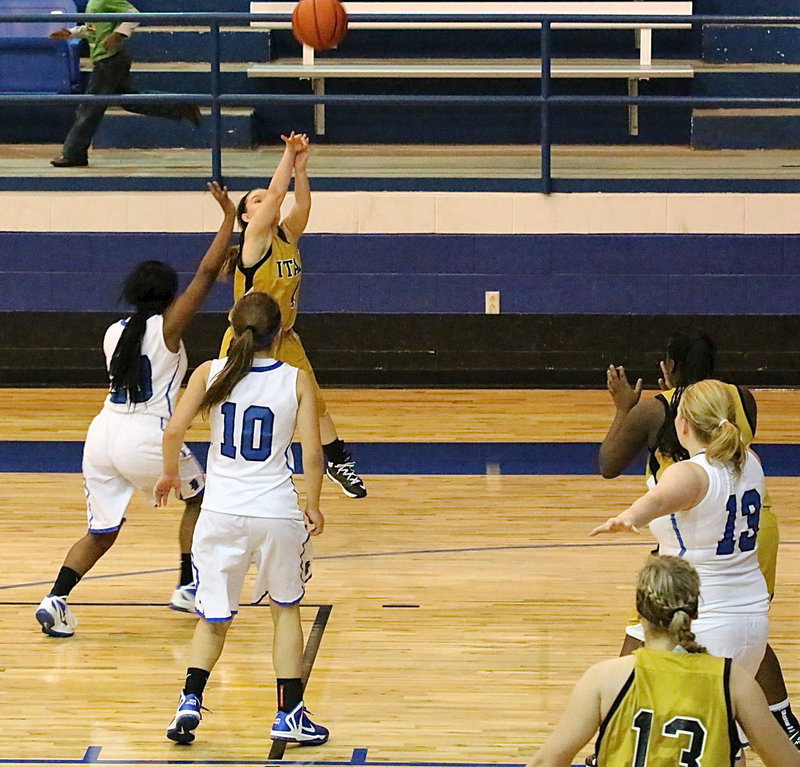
{"x":217,"y":620}
{"x":265,"y":369}
{"x":169,"y":386}
{"x":678,"y":535}
{"x":106,"y":529}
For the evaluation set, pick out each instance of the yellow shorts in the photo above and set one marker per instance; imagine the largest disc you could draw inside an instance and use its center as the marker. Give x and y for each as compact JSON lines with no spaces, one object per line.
{"x":289,"y":350}
{"x":768,"y":540}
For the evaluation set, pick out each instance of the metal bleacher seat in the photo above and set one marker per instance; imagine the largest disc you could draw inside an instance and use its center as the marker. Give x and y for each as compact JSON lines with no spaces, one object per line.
{"x":30,"y":62}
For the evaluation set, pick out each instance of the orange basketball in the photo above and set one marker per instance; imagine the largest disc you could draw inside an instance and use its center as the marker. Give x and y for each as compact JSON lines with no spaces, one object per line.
{"x":319,"y":23}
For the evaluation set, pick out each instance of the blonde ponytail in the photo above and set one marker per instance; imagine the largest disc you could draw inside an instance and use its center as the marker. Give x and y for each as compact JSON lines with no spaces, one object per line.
{"x":710,"y":410}
{"x":667,"y":594}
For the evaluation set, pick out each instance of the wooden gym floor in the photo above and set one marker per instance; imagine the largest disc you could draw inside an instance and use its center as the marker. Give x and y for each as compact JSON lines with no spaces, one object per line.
{"x":463,"y":607}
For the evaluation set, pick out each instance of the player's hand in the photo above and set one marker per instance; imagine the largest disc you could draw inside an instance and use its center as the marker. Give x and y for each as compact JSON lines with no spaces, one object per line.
{"x":295,"y":141}
{"x":665,"y":383}
{"x":624,"y":395}
{"x":614,"y":525}
{"x":220,"y":194}
{"x":60,"y":34}
{"x":315,"y":522}
{"x":166,"y":482}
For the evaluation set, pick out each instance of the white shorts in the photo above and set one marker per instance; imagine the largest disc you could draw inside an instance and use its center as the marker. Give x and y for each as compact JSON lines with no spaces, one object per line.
{"x":741,"y":637}
{"x":224,"y":547}
{"x":122,"y":453}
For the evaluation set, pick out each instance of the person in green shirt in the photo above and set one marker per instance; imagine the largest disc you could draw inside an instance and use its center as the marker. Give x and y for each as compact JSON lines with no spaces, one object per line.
{"x":110,"y":74}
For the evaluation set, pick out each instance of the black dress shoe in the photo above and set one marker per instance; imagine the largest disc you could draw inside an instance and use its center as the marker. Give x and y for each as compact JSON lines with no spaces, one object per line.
{"x":68,"y":162}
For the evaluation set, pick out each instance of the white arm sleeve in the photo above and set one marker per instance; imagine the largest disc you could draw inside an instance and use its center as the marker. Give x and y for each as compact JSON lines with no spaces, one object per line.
{"x":126,"y":28}
{"x":80,"y":31}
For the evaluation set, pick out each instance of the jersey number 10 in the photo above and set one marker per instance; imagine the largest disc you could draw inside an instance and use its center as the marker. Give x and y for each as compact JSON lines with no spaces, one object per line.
{"x":255,"y":442}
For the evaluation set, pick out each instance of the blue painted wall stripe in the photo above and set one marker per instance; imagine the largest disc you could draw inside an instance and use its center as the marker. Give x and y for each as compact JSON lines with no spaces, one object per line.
{"x":419,"y":273}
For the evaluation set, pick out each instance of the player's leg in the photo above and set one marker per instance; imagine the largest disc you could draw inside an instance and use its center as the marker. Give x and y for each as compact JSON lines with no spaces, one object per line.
{"x":193,"y":485}
{"x":221,"y":554}
{"x":107,"y":498}
{"x":292,"y":722}
{"x":283,"y":558}
{"x":770,"y":679}
{"x":208,"y":642}
{"x":339,"y":464}
{"x":142,"y":469}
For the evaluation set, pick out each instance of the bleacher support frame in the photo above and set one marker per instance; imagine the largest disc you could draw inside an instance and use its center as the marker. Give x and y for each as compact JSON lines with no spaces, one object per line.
{"x":545,"y":100}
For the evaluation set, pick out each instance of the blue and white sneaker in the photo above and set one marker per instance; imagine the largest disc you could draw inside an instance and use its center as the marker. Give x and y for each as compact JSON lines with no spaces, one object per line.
{"x":187,"y":717}
{"x":296,"y":727}
{"x":55,"y":617}
{"x":183,"y":598}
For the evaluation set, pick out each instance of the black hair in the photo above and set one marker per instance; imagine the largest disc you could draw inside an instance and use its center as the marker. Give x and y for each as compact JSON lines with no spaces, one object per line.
{"x":256,"y":322}
{"x":150,"y":288}
{"x":694,"y":355}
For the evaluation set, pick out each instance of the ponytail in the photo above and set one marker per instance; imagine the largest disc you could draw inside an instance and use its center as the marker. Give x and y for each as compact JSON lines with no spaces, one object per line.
{"x":256,"y":323}
{"x":710,"y":410}
{"x":151,"y":288}
{"x":667,"y":595}
{"x":237,"y":366}
{"x":680,"y":627}
{"x":125,"y":368}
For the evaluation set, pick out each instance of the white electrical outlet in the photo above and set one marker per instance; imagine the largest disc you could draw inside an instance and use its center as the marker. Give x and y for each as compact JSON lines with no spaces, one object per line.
{"x":492,"y":302}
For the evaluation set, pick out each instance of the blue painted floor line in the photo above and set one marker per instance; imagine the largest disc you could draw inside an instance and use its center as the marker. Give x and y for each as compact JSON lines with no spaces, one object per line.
{"x":421,"y":458}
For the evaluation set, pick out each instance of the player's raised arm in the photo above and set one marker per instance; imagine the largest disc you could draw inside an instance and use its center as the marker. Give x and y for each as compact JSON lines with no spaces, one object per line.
{"x":635,"y":422}
{"x":295,"y":223}
{"x":263,"y":205}
{"x":180,"y":312}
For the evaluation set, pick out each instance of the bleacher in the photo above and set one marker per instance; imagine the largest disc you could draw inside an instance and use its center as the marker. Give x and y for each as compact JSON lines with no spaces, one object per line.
{"x":30,"y":62}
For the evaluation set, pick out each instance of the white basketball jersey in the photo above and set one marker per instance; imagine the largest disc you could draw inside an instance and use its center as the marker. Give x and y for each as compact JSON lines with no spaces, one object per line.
{"x":250,"y":465}
{"x":718,"y":536}
{"x":161,"y":370}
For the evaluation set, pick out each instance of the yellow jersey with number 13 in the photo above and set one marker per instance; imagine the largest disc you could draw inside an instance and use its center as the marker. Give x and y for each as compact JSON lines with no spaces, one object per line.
{"x":277,"y":273}
{"x":673,"y":709}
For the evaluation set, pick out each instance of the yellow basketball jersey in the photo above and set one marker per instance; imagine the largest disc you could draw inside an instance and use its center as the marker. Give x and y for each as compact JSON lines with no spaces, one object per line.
{"x":674,"y":709}
{"x":657,"y":461}
{"x":277,"y":273}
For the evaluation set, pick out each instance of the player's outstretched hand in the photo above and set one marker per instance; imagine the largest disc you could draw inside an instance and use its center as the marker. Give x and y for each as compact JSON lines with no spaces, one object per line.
{"x":315,"y":522}
{"x":297,"y":142}
{"x":60,"y":34}
{"x":220,"y":194}
{"x":166,"y":482}
{"x":665,"y":383}
{"x":624,"y":395}
{"x":614,"y":525}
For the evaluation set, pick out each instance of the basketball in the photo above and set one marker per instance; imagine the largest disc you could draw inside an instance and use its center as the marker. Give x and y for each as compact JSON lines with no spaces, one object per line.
{"x":319,"y":23}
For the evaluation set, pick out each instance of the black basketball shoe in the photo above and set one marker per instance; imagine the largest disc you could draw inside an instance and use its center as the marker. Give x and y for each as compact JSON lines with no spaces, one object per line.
{"x":344,"y":474}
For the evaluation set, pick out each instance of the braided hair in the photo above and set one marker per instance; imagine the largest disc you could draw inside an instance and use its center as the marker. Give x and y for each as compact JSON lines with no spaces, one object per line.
{"x":667,"y":594}
{"x":694,"y":356}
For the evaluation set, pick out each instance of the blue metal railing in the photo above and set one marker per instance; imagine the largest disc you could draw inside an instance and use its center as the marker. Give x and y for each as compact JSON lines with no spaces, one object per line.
{"x":216,"y":99}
